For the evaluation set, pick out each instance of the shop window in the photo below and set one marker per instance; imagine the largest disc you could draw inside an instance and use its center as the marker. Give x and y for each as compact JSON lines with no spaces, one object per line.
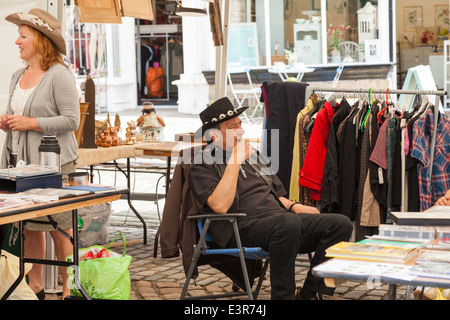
{"x":317,"y":32}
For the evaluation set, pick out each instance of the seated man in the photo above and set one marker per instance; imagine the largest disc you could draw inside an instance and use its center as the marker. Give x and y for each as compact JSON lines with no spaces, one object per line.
{"x":228,"y":176}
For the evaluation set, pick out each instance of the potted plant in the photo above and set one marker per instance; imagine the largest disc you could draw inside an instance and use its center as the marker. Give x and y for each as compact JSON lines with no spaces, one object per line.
{"x":336,"y":36}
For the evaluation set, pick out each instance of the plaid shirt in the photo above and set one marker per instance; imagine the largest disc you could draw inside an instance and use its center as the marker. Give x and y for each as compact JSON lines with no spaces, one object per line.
{"x":431,"y":190}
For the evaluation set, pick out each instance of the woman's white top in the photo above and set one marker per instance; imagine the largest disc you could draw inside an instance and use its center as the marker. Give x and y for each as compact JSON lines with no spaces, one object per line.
{"x":18,"y":102}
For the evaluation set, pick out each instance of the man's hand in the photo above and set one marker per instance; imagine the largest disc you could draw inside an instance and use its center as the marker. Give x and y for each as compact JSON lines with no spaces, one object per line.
{"x":445,"y":200}
{"x":242,"y":151}
{"x":299,"y":208}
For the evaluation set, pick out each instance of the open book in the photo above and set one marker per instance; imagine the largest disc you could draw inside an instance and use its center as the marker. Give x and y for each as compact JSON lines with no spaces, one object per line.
{"x":68,"y":192}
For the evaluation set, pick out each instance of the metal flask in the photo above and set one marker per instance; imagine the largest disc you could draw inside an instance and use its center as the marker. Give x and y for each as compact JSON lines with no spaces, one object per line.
{"x":50,"y":152}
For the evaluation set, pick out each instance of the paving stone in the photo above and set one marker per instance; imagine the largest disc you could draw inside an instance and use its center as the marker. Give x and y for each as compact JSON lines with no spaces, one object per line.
{"x":354,"y":294}
{"x":163,"y":284}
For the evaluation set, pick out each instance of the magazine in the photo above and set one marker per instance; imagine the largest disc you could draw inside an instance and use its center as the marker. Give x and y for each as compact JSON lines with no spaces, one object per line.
{"x":378,"y":252}
{"x":433,"y":255}
{"x":433,"y":270}
{"x":392,"y":243}
{"x":59,"y":193}
{"x":27,"y":171}
{"x":14,"y":200}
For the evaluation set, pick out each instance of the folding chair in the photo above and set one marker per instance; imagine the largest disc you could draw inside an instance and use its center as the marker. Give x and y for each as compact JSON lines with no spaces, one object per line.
{"x":241,"y":94}
{"x":202,"y":248}
{"x":349,"y":49}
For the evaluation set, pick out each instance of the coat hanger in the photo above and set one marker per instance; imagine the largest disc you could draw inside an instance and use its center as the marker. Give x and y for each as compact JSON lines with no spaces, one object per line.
{"x":387,"y":106}
{"x":363,"y":124}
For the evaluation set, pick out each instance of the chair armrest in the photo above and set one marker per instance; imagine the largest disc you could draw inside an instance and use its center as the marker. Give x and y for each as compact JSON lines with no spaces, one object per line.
{"x":216,"y":216}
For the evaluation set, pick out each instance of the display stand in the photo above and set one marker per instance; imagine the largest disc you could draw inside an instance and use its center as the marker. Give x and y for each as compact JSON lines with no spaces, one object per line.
{"x":413,"y":81}
{"x":417,"y":78}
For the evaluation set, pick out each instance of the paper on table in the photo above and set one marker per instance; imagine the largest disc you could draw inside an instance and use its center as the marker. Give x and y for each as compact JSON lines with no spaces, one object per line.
{"x":366,"y":268}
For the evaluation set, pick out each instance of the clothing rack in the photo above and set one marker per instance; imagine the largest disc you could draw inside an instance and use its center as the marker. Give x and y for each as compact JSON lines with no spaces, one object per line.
{"x":436,"y":93}
{"x":381,"y":91}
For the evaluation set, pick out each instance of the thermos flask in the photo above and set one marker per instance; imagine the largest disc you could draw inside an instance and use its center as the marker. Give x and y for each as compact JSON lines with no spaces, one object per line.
{"x":50,"y":152}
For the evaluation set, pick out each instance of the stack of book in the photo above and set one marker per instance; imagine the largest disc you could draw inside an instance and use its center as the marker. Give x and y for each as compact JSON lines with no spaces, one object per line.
{"x":375,"y":250}
{"x":406,"y":233}
{"x":426,"y":249}
{"x":431,"y":262}
{"x":443,"y":236}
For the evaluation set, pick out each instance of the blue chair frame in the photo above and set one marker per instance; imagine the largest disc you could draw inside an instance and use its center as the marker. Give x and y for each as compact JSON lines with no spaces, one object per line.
{"x":201,"y":248}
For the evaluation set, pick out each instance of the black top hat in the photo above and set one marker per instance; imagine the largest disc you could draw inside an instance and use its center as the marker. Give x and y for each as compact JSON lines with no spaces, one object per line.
{"x":219,"y":111}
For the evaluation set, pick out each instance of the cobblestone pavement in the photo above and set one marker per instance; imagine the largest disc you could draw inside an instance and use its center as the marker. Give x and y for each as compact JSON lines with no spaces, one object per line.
{"x":163,"y":279}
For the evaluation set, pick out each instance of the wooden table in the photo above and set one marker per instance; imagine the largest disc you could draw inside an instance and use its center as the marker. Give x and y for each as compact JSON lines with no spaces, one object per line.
{"x":21,"y":214}
{"x":167,"y":149}
{"x":89,"y":157}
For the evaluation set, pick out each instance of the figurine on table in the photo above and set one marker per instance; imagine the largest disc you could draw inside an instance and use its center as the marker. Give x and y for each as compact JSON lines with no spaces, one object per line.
{"x":150,"y":124}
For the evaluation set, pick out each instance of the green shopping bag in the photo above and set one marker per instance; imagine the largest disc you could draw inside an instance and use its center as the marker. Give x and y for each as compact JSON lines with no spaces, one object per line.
{"x":102,"y":277}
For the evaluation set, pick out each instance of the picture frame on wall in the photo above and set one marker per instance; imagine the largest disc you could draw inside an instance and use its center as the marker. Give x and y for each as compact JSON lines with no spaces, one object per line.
{"x":412,"y":17}
{"x":441,"y":17}
{"x":372,"y":48}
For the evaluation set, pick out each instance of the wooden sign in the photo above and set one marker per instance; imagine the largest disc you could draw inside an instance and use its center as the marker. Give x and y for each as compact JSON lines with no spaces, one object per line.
{"x":99,"y":11}
{"x":141,"y":9}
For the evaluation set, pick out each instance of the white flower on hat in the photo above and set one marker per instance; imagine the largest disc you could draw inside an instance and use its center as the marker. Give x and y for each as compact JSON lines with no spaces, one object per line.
{"x":222,"y":116}
{"x":35,"y":20}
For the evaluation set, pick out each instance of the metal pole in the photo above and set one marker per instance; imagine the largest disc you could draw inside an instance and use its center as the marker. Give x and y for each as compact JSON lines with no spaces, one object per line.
{"x":381,"y":91}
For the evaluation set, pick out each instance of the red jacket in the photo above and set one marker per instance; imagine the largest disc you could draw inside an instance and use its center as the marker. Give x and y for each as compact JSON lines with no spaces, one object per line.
{"x":312,"y":171}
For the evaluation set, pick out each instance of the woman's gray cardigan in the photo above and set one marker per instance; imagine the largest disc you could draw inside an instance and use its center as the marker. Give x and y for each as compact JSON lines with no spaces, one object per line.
{"x":54,"y":102}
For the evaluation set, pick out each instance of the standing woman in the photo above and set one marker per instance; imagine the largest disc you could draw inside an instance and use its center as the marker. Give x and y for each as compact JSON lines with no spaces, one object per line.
{"x":43,"y":100}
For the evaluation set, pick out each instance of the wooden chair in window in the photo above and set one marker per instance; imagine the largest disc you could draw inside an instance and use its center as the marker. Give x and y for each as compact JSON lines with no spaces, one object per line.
{"x":349,"y":49}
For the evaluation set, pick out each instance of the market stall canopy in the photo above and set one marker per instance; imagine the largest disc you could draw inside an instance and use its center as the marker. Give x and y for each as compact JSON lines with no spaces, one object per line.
{"x":112,"y":11}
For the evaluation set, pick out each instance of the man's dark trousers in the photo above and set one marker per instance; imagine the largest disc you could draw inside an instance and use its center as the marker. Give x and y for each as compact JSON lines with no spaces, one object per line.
{"x":284,"y":235}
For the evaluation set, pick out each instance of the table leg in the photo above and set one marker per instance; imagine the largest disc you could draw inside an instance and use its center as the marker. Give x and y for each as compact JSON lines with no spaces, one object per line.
{"x":392,"y":292}
{"x":91,"y":169}
{"x":21,"y":263}
{"x":128,"y":176}
{"x":144,"y":224}
{"x":300,"y":76}
{"x":155,"y":245}
{"x":169,"y":163}
{"x":76,"y":254}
